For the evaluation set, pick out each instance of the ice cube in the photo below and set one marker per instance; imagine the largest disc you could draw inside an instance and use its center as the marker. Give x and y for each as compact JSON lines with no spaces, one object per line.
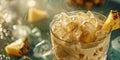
{"x":31,"y":3}
{"x":7,"y":58}
{"x":95,"y":19}
{"x":88,"y":32}
{"x":77,"y":34}
{"x":20,"y":31}
{"x":33,"y":39}
{"x":36,"y":32}
{"x":8,"y":18}
{"x":90,"y":14}
{"x":73,"y":37}
{"x":71,"y":26}
{"x":4,"y":57}
{"x":94,"y":22}
{"x":25,"y":58}
{"x":89,"y":27}
{"x":99,"y":24}
{"x":72,"y":32}
{"x":100,"y":35}
{"x":59,"y":31}
{"x":49,"y":56}
{"x":83,"y":15}
{"x":116,"y":44}
{"x":64,"y":19}
{"x":42,"y":49}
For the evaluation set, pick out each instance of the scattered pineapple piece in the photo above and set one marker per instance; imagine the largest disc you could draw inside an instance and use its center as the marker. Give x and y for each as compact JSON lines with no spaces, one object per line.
{"x":35,"y":15}
{"x":18,"y":48}
{"x":1,"y":16}
{"x":112,"y":22}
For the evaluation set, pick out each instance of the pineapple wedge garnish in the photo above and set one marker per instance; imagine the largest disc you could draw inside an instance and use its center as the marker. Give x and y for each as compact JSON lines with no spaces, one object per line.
{"x":18,"y":48}
{"x":35,"y":15}
{"x":112,"y":22}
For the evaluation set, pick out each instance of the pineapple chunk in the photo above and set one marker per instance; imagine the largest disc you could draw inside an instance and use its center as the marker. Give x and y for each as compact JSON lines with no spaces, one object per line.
{"x":86,"y":38}
{"x":18,"y":48}
{"x":1,"y":16}
{"x":35,"y":15}
{"x":71,"y":26}
{"x":112,"y":22}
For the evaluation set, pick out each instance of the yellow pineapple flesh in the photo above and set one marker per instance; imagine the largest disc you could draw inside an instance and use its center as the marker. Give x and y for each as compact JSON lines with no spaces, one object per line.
{"x":18,"y":48}
{"x":112,"y":22}
{"x":1,"y":16}
{"x":35,"y":15}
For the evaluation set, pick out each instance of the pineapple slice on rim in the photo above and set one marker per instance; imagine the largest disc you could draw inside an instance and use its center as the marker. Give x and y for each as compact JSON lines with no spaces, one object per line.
{"x":112,"y":22}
